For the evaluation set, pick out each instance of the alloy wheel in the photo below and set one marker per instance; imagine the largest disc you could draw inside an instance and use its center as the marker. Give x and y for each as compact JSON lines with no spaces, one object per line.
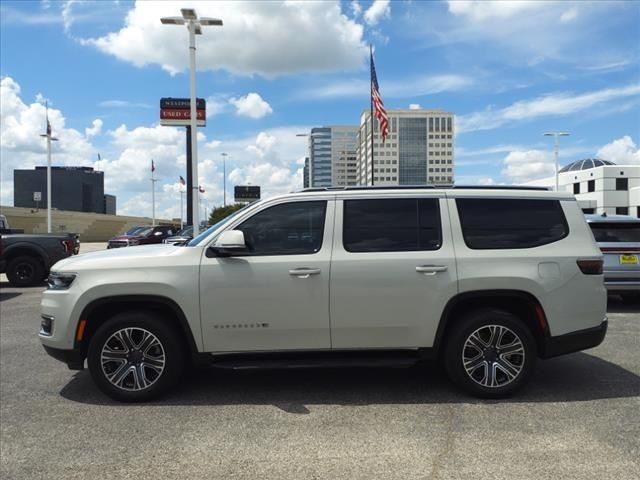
{"x":493,"y":356}
{"x":132,"y":359}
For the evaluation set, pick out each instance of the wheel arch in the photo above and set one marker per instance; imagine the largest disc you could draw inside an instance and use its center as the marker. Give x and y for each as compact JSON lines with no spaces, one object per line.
{"x":522,"y":304}
{"x":100,"y":310}
{"x":26,"y":249}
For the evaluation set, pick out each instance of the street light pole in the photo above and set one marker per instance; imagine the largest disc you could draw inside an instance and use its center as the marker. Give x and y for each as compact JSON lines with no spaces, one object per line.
{"x":224,"y":179}
{"x":50,"y":139}
{"x":194,"y":25}
{"x":556,"y":148}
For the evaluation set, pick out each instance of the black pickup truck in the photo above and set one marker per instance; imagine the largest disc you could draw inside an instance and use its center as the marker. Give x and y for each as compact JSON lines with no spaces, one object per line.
{"x":27,"y":259}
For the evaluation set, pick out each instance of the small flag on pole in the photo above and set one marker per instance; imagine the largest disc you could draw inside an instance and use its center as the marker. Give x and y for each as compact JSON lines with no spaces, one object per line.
{"x":378,"y":105}
{"x":99,"y":157}
{"x":201,"y":189}
{"x":46,"y":106}
{"x":182,"y":182}
{"x":153,"y":166}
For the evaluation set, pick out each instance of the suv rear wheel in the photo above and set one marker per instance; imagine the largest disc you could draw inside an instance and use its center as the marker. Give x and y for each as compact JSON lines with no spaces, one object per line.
{"x":135,"y":357}
{"x":490,"y":354}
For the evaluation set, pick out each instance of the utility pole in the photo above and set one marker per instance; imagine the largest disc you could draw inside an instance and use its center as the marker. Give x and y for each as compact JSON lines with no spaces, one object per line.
{"x":224,"y":178}
{"x":556,"y":148}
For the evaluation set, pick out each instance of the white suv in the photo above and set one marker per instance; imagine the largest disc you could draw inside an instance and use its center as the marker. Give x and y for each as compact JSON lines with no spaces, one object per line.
{"x":487,"y":280}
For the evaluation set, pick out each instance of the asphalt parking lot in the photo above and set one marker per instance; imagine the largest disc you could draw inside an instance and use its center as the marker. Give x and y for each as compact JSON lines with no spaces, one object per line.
{"x":578,"y":419}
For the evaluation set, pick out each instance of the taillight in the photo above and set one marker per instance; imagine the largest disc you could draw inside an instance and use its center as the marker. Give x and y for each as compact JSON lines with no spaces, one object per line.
{"x":68,"y":245}
{"x":591,"y":267}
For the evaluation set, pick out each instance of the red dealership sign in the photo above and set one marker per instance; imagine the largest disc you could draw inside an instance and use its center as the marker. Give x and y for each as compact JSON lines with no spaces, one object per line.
{"x":176,"y":112}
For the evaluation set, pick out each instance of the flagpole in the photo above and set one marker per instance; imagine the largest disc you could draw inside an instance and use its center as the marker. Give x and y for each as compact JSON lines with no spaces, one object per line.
{"x":371,"y":105}
{"x":181,"y":217}
{"x":49,"y":139}
{"x":153,"y":196}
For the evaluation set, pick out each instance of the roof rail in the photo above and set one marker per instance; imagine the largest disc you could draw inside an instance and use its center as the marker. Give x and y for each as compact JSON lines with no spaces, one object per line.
{"x":424,"y":187}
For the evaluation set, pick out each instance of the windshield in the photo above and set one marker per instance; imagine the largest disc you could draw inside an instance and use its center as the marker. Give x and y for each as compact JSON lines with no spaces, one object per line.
{"x":215,"y":226}
{"x":185,"y":232}
{"x":616,"y":232}
{"x":134,"y":230}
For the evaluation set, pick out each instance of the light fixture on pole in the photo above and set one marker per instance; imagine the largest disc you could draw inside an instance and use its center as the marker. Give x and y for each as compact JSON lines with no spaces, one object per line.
{"x":556,"y":147}
{"x":194,"y":25}
{"x":224,"y":179}
{"x":50,"y":139}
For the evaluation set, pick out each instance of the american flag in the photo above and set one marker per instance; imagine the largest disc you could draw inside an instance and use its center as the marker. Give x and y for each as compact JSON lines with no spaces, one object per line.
{"x":378,"y":105}
{"x":153,"y":166}
{"x":182,"y":182}
{"x":48,"y":127}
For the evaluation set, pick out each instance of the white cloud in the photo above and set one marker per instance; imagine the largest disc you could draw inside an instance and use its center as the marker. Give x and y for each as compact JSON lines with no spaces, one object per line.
{"x":95,"y":129}
{"x":557,"y":104}
{"x":356,"y":8}
{"x":524,"y":166}
{"x":20,"y":142}
{"x":569,"y":15}
{"x":622,"y":151}
{"x":407,"y":87}
{"x":123,"y":104}
{"x":414,"y":106}
{"x":378,"y":10}
{"x":256,"y":38}
{"x":251,"y":105}
{"x":490,"y":9}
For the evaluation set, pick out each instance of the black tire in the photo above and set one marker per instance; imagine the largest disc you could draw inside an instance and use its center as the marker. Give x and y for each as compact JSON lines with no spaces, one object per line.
{"x":146,"y":376}
{"x":631,"y":297}
{"x":25,"y":271}
{"x":485,"y":368}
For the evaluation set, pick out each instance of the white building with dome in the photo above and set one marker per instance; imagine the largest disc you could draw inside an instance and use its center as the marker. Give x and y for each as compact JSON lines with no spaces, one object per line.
{"x":600,"y":186}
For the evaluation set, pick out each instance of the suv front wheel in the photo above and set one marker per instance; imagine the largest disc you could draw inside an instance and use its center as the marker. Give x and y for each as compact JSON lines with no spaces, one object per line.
{"x":490,"y":354}
{"x":135,"y":357}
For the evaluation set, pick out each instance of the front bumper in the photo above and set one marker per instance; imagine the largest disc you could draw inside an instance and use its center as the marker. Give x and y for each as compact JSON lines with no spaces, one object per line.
{"x":574,"y":341}
{"x":73,"y":358}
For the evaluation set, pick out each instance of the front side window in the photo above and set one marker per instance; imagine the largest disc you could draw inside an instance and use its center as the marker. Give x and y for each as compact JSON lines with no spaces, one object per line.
{"x":393,"y":225}
{"x":288,"y":229}
{"x":491,"y":223}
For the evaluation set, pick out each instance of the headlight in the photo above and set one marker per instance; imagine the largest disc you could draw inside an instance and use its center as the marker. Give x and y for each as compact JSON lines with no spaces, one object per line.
{"x":60,"y":281}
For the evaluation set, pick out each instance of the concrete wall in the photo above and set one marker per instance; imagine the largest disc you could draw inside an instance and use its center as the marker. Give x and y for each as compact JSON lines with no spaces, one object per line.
{"x":92,"y":227}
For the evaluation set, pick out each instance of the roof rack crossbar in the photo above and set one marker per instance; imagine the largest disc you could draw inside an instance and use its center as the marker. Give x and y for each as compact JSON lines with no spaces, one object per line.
{"x":426,"y":187}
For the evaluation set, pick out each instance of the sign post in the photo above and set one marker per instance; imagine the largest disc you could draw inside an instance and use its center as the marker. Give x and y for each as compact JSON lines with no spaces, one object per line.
{"x":176,"y":112}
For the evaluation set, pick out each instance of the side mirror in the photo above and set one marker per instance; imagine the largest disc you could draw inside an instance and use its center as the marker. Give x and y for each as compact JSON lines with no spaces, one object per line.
{"x":229,"y":242}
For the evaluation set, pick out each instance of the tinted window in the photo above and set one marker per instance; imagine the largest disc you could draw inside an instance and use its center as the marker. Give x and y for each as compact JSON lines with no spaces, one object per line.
{"x":616,"y":232}
{"x":288,"y":229}
{"x":510,"y":223}
{"x":622,"y":184}
{"x":394,"y":225}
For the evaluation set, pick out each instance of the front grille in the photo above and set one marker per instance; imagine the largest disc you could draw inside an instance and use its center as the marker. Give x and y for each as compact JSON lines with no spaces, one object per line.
{"x":117,"y":244}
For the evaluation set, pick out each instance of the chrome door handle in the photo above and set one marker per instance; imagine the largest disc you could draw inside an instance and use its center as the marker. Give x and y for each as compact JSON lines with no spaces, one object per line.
{"x":431,"y":269}
{"x":304,"y":272}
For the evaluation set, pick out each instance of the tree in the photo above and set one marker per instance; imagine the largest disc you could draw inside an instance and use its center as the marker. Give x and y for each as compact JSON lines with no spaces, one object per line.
{"x":219,"y":213}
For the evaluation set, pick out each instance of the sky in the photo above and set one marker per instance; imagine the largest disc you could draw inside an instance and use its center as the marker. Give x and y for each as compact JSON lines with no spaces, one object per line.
{"x":509,"y":70}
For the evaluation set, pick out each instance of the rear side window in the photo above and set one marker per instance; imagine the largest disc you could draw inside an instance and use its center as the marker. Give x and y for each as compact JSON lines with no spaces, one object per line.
{"x":616,"y":232}
{"x":492,"y":223}
{"x":393,"y":225}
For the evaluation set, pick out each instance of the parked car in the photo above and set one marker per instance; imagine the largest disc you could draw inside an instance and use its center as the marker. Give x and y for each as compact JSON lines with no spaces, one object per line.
{"x":618,"y":236}
{"x":142,"y":235}
{"x":181,"y":237}
{"x":26,"y":259}
{"x":486,"y":279}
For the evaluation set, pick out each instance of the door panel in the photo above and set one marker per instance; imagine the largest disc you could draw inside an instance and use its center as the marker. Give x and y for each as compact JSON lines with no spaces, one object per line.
{"x":264,"y":301}
{"x":391,"y":299}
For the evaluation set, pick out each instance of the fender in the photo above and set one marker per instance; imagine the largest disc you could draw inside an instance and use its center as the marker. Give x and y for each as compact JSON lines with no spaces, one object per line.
{"x":33,"y":247}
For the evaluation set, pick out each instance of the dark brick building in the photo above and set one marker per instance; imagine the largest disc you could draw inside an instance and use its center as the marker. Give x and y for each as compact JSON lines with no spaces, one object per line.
{"x":78,"y":189}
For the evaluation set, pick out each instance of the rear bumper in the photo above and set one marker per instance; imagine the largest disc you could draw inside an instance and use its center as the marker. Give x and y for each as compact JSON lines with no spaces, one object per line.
{"x":73,"y":358}
{"x":574,"y":341}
